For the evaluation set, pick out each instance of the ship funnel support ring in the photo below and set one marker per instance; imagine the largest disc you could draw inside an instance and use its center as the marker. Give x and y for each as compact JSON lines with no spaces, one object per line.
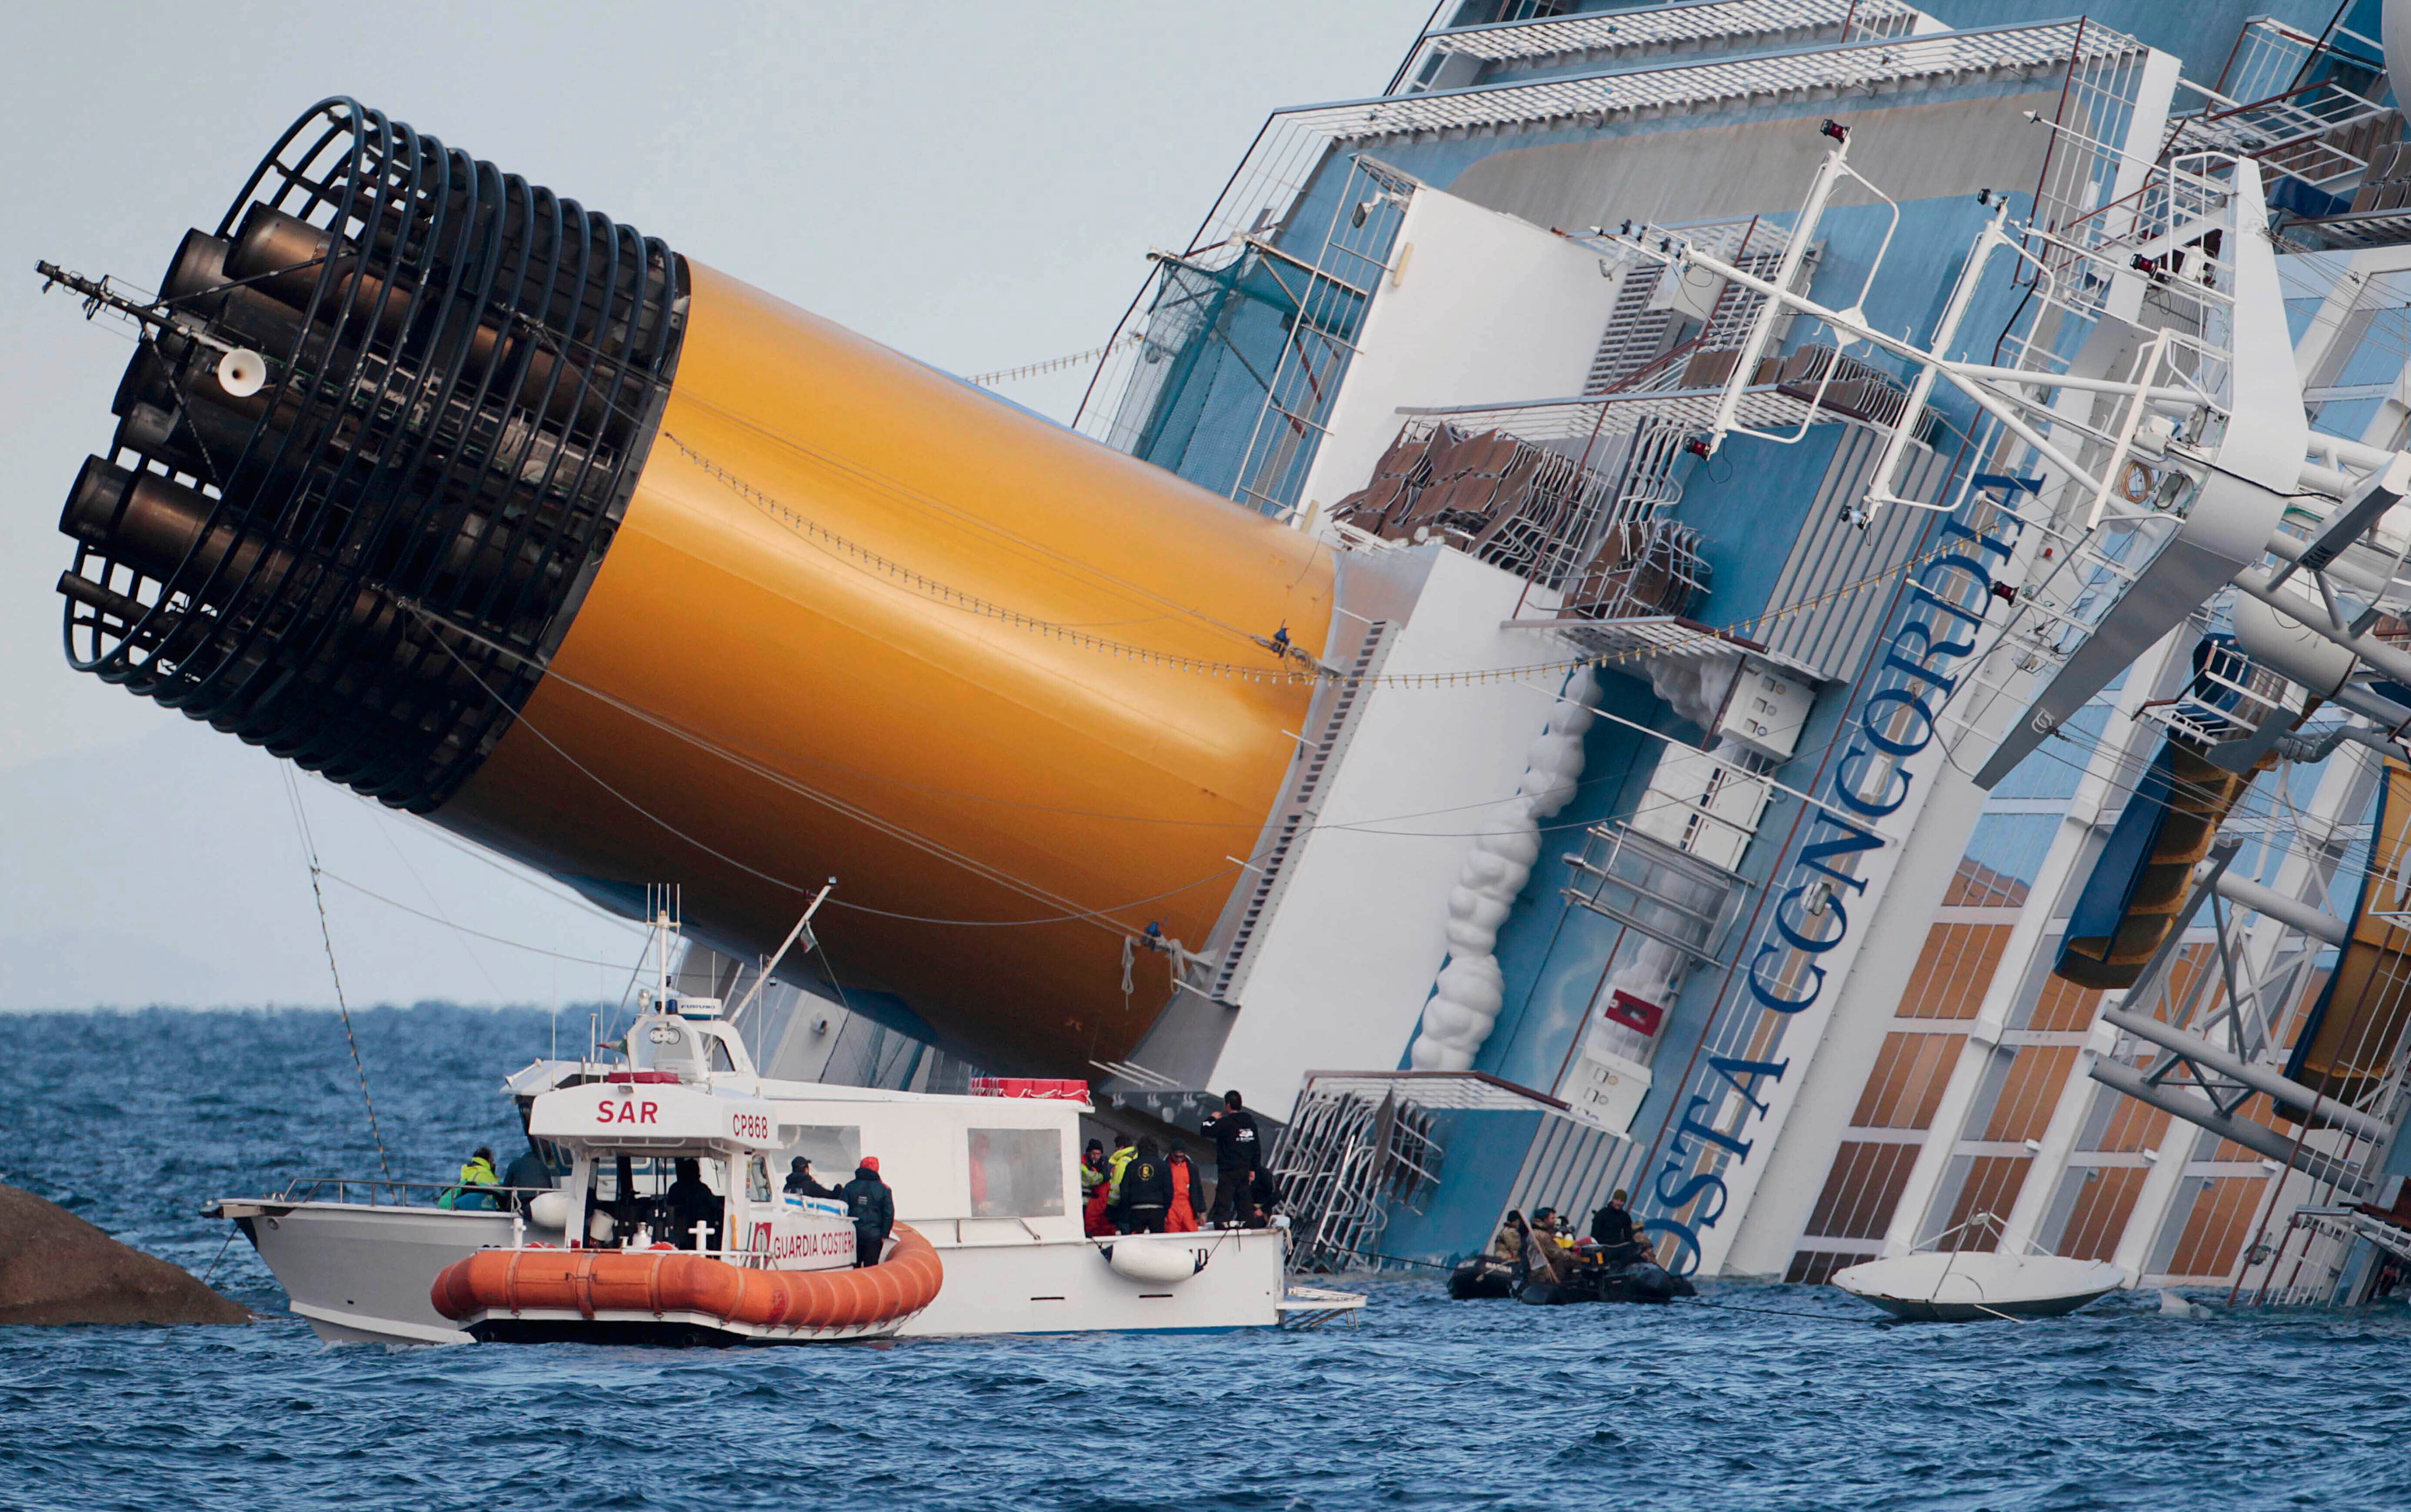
{"x":463,"y":375}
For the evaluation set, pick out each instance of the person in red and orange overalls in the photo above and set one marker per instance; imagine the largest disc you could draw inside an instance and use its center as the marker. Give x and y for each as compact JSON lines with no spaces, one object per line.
{"x":1181,"y":1217}
{"x":1097,"y":1188}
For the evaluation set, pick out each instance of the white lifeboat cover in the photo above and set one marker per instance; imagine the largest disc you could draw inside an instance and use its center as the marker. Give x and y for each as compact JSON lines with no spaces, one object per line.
{"x":1167,"y":1258}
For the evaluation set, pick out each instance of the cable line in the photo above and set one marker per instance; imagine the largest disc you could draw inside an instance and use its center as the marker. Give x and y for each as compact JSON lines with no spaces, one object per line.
{"x":464,"y":929}
{"x":1006,"y":375}
{"x":327,"y":936}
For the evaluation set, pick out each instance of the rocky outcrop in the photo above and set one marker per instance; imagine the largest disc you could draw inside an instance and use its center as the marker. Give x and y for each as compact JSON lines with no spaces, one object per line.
{"x":55,"y":1268}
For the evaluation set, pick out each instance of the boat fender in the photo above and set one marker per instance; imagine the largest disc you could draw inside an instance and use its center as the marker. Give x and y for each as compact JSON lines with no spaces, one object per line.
{"x":1156,"y":1261}
{"x":549,"y":1210}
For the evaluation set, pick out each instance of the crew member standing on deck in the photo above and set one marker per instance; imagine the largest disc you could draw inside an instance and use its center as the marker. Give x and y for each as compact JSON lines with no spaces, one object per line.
{"x":801,"y":1180}
{"x":1237,"y":1153}
{"x":874,"y":1207}
{"x":1147,"y":1191}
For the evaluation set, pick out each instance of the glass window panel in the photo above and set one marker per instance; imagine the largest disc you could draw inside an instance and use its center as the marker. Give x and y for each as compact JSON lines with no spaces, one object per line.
{"x":834,"y":1150}
{"x":1017,"y":1173}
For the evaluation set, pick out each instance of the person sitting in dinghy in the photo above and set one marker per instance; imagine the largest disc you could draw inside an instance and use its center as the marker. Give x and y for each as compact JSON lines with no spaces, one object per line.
{"x":1618,"y":1236}
{"x":1509,"y":1243}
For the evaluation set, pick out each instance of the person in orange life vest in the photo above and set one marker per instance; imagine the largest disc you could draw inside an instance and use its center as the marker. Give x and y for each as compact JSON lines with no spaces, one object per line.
{"x":1186,"y":1196}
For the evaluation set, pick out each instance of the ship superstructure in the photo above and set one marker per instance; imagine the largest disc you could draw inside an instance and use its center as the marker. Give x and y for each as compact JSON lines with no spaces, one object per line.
{"x":1796,"y":605}
{"x":1891,"y":406}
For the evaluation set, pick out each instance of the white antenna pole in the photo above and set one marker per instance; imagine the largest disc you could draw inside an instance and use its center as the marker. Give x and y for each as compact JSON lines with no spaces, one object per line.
{"x":780,"y":954}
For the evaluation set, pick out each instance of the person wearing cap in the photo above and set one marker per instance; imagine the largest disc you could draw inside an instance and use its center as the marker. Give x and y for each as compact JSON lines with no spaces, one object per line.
{"x":874,"y":1207}
{"x":801,"y":1180}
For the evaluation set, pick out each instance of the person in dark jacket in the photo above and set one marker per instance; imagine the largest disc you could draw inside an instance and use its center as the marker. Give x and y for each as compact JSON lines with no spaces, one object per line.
{"x":1262,"y":1199}
{"x":800,"y":1179}
{"x":690,"y":1202}
{"x":527,"y":1174}
{"x":1147,"y":1190}
{"x":1237,"y":1153}
{"x":1618,"y":1235}
{"x":874,"y":1207}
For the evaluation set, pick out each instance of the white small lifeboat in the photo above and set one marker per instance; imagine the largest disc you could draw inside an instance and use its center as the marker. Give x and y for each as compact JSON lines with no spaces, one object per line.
{"x":1967,"y":1288}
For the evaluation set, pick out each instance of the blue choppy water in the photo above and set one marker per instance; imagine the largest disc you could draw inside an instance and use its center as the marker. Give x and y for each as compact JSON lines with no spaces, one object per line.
{"x":133,"y":1119}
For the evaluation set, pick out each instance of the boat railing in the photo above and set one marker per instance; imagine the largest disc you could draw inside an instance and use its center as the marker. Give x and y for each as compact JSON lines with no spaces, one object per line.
{"x":1980,"y":1224}
{"x":379,"y":1191}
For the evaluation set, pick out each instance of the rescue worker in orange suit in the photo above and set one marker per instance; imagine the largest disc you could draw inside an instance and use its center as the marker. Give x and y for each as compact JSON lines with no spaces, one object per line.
{"x":874,"y":1207}
{"x":1096,"y":1192}
{"x":1237,"y":1153}
{"x":1147,"y":1190}
{"x":689,"y":1202}
{"x":1181,"y":1216}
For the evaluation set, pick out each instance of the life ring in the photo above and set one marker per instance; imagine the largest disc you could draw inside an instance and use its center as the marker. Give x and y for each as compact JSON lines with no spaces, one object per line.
{"x":594,"y":1283}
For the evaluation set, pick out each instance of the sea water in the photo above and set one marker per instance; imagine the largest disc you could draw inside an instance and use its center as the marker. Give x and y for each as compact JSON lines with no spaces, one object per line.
{"x":1756,"y":1396}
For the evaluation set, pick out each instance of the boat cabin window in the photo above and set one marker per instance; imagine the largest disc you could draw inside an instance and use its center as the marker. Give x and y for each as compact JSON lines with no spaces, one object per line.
{"x":758,"y":1178}
{"x":630,"y":1190}
{"x":1017,"y":1173}
{"x":834,"y":1150}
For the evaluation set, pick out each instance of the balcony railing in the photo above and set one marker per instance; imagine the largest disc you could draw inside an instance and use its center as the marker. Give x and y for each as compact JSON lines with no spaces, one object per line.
{"x":1719,"y":25}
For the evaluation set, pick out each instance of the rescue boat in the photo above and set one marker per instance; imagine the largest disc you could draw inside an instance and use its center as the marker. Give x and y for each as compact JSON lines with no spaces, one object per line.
{"x":758,"y":1267}
{"x":622,"y":1246}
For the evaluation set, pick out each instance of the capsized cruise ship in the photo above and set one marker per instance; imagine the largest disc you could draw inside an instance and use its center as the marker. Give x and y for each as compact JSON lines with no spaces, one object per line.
{"x":1796,"y":605}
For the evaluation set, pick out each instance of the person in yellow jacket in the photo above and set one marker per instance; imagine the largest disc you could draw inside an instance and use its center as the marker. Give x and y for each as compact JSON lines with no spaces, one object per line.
{"x":1125,"y":1151}
{"x":478,"y":1178}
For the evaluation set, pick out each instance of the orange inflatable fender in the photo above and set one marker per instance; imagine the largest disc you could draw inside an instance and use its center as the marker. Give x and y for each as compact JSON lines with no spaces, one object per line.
{"x":595,"y":1282}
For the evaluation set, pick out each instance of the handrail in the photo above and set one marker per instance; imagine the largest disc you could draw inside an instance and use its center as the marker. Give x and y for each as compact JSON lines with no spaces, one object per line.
{"x":304,"y":1189}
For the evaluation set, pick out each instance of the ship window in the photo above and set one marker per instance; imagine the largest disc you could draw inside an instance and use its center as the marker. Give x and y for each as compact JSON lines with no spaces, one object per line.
{"x":1017,"y":1173}
{"x":757,"y":1180}
{"x":834,"y":1150}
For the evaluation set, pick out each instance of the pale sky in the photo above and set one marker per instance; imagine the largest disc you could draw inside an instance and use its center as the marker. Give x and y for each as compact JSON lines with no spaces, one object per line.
{"x":973,"y":183}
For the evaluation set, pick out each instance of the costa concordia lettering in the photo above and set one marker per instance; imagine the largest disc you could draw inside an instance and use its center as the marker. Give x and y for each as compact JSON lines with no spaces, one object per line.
{"x":1793,"y":606}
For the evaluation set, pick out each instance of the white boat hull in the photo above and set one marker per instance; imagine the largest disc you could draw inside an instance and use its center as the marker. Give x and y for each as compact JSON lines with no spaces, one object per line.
{"x":360,"y":1275}
{"x":1971,"y":1286}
